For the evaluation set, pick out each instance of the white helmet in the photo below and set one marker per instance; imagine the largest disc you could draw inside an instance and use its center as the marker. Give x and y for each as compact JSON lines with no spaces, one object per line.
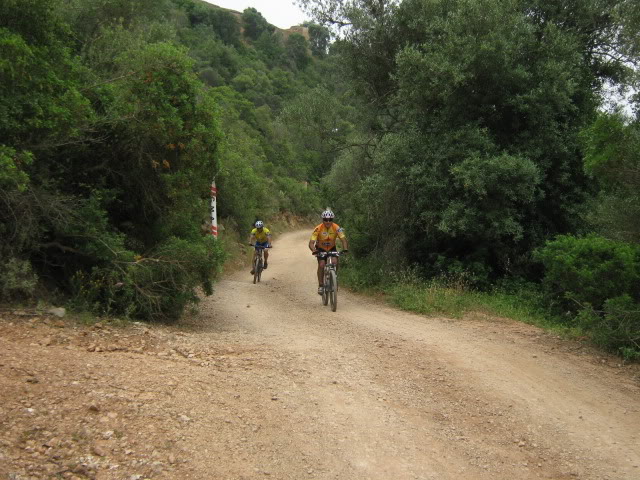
{"x":259,"y":224}
{"x":328,"y":215}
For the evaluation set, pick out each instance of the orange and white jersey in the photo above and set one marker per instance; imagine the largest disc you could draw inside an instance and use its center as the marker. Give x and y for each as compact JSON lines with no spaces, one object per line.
{"x":325,"y":237}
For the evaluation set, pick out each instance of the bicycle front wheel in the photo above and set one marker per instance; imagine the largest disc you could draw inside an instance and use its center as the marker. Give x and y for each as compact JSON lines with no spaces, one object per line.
{"x":259,"y":270}
{"x":325,"y":293}
{"x":333,"y":292}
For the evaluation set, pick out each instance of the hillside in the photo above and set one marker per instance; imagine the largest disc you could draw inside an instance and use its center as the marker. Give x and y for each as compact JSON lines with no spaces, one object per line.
{"x":299,"y":29}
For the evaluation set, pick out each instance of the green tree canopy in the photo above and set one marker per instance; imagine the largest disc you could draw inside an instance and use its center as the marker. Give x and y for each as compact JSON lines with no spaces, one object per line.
{"x":476,"y":108}
{"x":255,"y":24}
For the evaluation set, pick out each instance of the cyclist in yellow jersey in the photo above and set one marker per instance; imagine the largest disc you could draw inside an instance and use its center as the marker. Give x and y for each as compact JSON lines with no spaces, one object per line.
{"x":324,"y":238}
{"x":260,"y":237}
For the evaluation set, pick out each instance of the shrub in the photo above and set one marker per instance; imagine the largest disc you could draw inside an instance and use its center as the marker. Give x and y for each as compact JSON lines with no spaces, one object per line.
{"x":617,"y":327}
{"x":590,"y":270}
{"x":363,"y":273}
{"x":17,"y":279}
{"x":156,"y":287}
{"x":297,"y":197}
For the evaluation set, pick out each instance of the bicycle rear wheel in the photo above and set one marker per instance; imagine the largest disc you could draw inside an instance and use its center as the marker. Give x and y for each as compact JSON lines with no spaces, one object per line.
{"x":333,"y":292}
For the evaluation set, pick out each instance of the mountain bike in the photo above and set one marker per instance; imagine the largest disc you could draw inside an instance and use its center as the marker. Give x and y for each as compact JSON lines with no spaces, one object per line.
{"x":330,"y":292}
{"x":258,"y":263}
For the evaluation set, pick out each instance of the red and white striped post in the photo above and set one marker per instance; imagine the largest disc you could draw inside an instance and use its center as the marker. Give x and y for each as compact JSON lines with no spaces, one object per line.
{"x":214,"y":214}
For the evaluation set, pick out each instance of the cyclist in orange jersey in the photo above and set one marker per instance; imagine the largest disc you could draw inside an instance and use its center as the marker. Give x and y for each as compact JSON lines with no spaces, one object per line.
{"x":324,"y":238}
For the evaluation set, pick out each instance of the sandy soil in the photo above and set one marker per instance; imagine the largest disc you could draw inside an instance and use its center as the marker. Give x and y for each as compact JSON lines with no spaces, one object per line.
{"x":265,"y":382}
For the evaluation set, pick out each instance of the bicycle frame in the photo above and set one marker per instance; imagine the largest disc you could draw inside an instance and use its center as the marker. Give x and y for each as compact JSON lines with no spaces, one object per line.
{"x":258,"y":263}
{"x":330,"y":275}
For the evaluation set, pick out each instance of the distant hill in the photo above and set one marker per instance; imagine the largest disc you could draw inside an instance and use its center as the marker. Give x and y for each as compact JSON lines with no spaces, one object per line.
{"x":304,"y":31}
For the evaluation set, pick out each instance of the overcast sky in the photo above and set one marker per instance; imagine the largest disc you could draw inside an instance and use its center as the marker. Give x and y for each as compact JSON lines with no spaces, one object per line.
{"x":281,"y":13}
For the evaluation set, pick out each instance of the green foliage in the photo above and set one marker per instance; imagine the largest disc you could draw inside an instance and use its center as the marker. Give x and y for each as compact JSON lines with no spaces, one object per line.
{"x":612,"y":156}
{"x":471,"y":147}
{"x":365,"y":274}
{"x":606,"y":145}
{"x":617,"y":328}
{"x":270,"y":47}
{"x":296,"y":47}
{"x":111,"y":135}
{"x":246,"y":191}
{"x":319,"y":125}
{"x":132,"y":180}
{"x":494,"y":189}
{"x":590,"y":270}
{"x":157,"y":287}
{"x":40,"y":99}
{"x":222,"y":23}
{"x":319,"y":37}
{"x":450,"y":294}
{"x":18,"y":279}
{"x":12,"y":168}
{"x":297,"y":196}
{"x":255,"y":24}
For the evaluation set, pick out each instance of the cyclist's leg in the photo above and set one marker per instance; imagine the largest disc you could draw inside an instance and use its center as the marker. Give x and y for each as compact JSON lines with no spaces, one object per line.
{"x":253,"y":261}
{"x":320,"y":276}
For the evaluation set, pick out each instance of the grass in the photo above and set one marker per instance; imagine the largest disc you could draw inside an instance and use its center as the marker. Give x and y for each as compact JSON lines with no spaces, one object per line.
{"x":453,"y":297}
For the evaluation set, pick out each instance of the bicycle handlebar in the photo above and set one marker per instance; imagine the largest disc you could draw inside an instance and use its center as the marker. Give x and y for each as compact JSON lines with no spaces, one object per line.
{"x":252,"y":245}
{"x":328,"y":254}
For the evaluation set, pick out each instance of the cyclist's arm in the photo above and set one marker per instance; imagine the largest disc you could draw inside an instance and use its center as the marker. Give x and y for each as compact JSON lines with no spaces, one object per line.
{"x":313,"y":241}
{"x":343,"y":240}
{"x":268,"y":239}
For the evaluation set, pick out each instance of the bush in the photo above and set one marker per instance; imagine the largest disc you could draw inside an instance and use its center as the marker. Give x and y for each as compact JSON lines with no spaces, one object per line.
{"x":590,"y":270}
{"x":17,"y":279}
{"x":157,"y":287}
{"x":617,"y":327}
{"x":297,"y":197}
{"x":362,"y":274}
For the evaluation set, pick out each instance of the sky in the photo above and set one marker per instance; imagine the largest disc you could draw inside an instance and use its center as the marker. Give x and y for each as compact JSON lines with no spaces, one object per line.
{"x":281,"y":13}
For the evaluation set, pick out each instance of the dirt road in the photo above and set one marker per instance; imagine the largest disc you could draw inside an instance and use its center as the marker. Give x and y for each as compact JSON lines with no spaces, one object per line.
{"x":267,"y":383}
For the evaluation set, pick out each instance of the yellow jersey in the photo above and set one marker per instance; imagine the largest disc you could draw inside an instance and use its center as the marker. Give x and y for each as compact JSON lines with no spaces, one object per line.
{"x":263,"y":236}
{"x":325,"y":238}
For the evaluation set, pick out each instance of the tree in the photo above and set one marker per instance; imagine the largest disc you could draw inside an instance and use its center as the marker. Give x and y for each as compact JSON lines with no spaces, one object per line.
{"x":222,"y":22}
{"x":42,"y":108}
{"x":271,"y":47}
{"x":297,"y":50}
{"x":612,"y":156}
{"x":255,"y":24}
{"x":476,"y":108}
{"x":318,"y":123}
{"x":109,"y":140}
{"x":319,"y":37}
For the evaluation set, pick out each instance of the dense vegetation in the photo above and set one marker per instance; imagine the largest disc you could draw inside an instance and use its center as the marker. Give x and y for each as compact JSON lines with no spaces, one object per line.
{"x":115,"y":116}
{"x":462,"y":142}
{"x":486,"y":153}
